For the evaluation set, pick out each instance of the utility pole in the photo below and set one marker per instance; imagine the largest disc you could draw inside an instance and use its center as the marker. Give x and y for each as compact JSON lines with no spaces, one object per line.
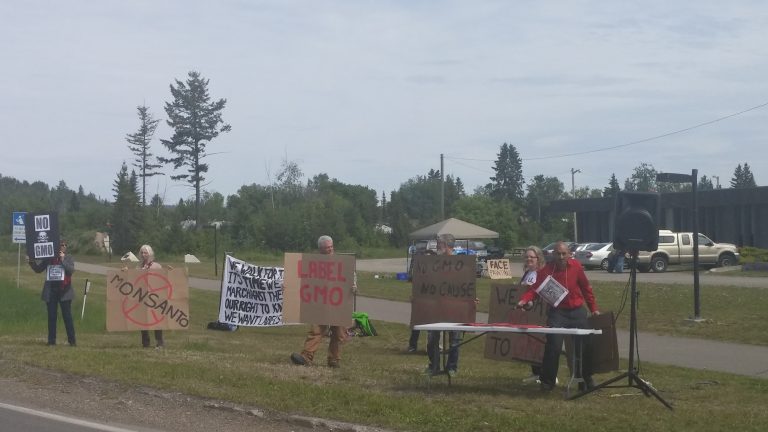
{"x":442,"y":188}
{"x":573,"y":194}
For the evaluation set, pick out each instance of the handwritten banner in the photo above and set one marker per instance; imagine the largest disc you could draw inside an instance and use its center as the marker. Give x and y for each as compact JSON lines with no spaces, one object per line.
{"x":499,"y":269}
{"x":156,"y":299}
{"x":251,"y":295}
{"x":318,"y":289}
{"x":443,"y":289}
{"x":511,"y":346}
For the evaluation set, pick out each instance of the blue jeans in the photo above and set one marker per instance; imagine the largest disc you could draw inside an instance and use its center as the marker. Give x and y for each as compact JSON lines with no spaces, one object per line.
{"x":66,"y":315}
{"x":565,"y":318}
{"x":433,"y":350}
{"x":619,"y":266}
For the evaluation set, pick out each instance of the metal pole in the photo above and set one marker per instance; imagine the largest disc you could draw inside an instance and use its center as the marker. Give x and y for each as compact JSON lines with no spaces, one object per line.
{"x":18,"y":266}
{"x":573,"y":194}
{"x":442,"y":188}
{"x":215,"y":250}
{"x":695,"y":216}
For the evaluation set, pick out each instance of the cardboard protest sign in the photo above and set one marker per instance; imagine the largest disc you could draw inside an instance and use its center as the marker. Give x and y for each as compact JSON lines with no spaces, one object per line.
{"x":443,"y":289}
{"x":42,"y":235}
{"x":317,"y":289}
{"x":514,"y":346}
{"x":499,"y":269}
{"x":603,"y":347}
{"x":251,"y":295}
{"x":156,"y":299}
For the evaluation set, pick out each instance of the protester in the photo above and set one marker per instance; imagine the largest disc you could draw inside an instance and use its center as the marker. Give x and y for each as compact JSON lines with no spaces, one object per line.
{"x":316,"y":332}
{"x":569,"y":313}
{"x":57,"y":291}
{"x":534,"y":262}
{"x":618,"y":267}
{"x":148,"y":262}
{"x":444,"y":247}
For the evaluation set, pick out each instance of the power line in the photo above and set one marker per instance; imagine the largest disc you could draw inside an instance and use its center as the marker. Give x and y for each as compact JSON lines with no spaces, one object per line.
{"x":664,"y":135}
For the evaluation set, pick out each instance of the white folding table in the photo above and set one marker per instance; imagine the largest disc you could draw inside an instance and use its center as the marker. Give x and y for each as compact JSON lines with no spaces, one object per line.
{"x":576,"y":375}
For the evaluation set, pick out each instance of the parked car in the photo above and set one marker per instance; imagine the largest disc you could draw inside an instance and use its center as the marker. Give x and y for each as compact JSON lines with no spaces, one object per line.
{"x":594,"y":255}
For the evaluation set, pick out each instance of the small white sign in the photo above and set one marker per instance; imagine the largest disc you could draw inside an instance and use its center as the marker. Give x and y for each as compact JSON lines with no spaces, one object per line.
{"x":552,"y":291}
{"x":55,"y":273}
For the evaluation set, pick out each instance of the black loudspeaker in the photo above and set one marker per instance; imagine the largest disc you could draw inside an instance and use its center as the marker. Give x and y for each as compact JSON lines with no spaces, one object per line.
{"x":635,"y":223}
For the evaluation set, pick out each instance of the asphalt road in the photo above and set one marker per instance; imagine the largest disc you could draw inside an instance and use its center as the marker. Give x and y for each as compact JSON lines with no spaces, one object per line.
{"x":18,"y":418}
{"x":397,"y":265}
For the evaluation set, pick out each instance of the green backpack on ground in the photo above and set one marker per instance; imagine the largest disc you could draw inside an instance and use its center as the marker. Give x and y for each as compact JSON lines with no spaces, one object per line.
{"x":363,"y":326}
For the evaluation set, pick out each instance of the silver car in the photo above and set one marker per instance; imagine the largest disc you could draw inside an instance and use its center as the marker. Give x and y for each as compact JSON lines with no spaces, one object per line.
{"x":594,"y":255}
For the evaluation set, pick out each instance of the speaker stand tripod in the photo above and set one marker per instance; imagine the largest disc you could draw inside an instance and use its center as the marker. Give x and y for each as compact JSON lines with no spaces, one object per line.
{"x":633,"y":379}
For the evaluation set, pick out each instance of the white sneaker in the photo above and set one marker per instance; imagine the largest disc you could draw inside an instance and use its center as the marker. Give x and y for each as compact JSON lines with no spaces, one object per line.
{"x":538,"y":381}
{"x":531,"y":379}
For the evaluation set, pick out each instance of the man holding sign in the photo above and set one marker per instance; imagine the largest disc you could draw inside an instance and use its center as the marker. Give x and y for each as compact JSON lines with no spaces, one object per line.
{"x":565,"y":310}
{"x":317,"y":294}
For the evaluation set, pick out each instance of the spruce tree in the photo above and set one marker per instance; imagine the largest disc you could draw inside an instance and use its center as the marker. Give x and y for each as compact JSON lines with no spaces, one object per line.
{"x":138,"y":143}
{"x":196,"y":120}
{"x":508,"y":181}
{"x":126,"y":212}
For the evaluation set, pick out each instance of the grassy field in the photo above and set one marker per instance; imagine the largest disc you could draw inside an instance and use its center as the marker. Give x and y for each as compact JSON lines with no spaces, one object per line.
{"x":381,"y":385}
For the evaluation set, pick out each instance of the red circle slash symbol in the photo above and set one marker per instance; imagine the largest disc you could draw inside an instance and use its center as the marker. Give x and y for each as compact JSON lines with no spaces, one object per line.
{"x":144,"y":287}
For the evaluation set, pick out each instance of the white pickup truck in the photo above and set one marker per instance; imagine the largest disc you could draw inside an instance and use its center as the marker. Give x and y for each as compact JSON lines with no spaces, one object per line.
{"x":677,"y":248}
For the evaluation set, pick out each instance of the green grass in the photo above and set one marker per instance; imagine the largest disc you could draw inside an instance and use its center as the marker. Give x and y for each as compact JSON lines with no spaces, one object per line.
{"x":731,"y":313}
{"x":378,"y":383}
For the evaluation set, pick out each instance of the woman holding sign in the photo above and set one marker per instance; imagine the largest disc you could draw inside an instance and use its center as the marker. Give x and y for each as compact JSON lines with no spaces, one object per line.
{"x":148,"y":262}
{"x":534,"y":262}
{"x":57,"y":291}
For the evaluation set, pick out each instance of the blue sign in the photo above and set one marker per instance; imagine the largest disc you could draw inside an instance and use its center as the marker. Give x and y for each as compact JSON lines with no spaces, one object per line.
{"x":18,"y":232}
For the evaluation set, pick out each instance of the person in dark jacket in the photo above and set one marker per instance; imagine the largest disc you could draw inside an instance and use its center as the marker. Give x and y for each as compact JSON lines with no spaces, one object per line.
{"x":57,"y":291}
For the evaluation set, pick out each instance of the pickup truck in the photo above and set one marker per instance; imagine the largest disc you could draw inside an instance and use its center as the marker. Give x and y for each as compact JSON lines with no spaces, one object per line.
{"x":677,"y":248}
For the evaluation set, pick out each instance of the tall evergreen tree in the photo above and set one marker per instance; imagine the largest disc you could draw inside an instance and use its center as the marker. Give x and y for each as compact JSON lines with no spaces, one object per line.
{"x":508,"y":181}
{"x":126,"y":212}
{"x":749,"y":178}
{"x":196,"y":120}
{"x":613,"y":187}
{"x":738,"y":177}
{"x":138,"y":143}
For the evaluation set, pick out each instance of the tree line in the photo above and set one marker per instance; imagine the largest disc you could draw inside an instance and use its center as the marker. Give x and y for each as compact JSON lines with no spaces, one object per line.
{"x":289,"y":213}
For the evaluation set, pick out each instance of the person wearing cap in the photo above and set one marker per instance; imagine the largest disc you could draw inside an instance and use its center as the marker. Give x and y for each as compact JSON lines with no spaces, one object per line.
{"x":57,"y":291}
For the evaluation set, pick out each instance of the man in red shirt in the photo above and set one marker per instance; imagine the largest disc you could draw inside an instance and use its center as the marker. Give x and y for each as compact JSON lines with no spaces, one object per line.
{"x":569,"y":313}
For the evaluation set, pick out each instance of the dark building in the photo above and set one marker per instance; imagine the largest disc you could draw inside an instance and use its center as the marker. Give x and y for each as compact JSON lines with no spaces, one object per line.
{"x":738,"y":216}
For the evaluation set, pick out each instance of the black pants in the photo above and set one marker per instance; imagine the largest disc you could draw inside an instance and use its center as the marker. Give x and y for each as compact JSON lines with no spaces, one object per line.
{"x":565,"y":318}
{"x":158,"y":338}
{"x":66,"y":314}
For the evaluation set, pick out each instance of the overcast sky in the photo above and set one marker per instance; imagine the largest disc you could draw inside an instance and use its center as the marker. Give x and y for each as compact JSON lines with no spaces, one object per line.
{"x":372,"y":92}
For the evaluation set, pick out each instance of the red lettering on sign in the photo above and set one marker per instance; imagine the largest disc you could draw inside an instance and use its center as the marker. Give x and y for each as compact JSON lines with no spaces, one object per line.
{"x":323,"y":270}
{"x":321,"y":294}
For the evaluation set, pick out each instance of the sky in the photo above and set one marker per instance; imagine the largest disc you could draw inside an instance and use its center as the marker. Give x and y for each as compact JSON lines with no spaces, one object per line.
{"x":373,"y":92}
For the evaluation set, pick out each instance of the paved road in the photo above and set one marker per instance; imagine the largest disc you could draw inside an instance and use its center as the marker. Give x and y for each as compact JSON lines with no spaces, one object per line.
{"x":397,"y":265}
{"x":18,"y":418}
{"x":750,"y":360}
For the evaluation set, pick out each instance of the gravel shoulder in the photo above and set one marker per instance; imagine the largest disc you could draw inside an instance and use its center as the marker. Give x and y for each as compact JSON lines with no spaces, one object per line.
{"x":141,"y":408}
